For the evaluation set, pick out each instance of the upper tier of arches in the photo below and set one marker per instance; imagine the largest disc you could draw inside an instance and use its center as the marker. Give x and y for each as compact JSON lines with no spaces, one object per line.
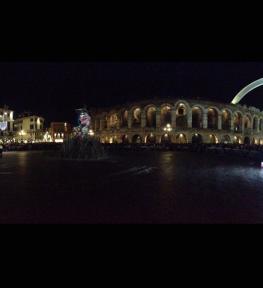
{"x":181,"y":114}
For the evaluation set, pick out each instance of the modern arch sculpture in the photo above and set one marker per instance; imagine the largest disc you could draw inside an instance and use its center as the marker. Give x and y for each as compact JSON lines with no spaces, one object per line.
{"x":246,"y":90}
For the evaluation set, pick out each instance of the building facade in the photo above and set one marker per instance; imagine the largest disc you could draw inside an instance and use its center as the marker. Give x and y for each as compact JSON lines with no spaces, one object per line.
{"x":60,"y":131}
{"x":179,"y":121}
{"x":29,"y":128}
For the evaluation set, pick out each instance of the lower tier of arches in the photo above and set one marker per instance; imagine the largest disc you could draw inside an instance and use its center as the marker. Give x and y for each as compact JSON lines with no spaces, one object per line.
{"x":179,"y":138}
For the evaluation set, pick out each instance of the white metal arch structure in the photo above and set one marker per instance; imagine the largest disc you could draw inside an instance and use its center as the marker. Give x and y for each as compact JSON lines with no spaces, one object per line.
{"x":246,"y":90}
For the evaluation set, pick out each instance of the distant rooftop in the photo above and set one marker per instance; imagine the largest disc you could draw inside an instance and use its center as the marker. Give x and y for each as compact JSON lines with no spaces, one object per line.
{"x":27,"y":114}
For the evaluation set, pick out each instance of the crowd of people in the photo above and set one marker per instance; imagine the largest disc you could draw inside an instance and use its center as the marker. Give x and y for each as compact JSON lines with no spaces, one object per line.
{"x":195,"y":147}
{"x":199,"y":147}
{"x":29,"y":146}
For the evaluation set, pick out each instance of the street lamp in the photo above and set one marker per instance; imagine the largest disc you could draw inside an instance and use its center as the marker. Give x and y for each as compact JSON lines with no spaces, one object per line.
{"x":168,"y":128}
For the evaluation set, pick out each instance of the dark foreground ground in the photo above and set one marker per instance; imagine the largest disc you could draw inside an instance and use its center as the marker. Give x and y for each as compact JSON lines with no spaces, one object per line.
{"x":131,"y":187}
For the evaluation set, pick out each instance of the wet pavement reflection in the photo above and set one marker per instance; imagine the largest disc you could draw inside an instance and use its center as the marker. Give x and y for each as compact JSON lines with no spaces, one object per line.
{"x":130,"y":187}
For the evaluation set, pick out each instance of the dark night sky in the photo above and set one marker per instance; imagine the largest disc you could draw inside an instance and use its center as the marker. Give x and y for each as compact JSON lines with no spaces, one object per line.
{"x":54,"y":90}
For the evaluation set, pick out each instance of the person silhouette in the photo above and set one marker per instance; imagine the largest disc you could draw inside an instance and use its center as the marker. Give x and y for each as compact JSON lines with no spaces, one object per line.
{"x":1,"y":150}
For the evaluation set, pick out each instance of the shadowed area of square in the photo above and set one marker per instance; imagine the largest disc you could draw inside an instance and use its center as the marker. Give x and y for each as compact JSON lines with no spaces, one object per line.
{"x":140,"y":187}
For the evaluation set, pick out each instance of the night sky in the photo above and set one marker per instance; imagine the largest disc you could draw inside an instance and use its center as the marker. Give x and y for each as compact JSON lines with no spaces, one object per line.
{"x":54,"y":90}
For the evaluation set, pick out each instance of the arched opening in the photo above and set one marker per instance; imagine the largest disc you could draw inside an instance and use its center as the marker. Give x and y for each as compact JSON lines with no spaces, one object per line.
{"x":105,"y":140}
{"x":237,"y":140}
{"x":254,"y":141}
{"x":150,"y":139}
{"x":114,"y":140}
{"x":96,"y":124}
{"x":247,"y":122}
{"x":212,"y":118}
{"x":166,"y":116}
{"x":166,"y":139}
{"x":226,"y":120}
{"x":247,"y":141}
{"x":255,"y":124}
{"x":238,"y":122}
{"x":181,"y":116}
{"x":125,"y":139}
{"x":213,"y":139}
{"x":197,"y":117}
{"x":113,"y":120}
{"x":261,"y":125}
{"x":136,"y":117}
{"x":226,"y":139}
{"x":197,"y":139}
{"x":124,"y":122}
{"x":105,"y":123}
{"x":151,"y":117}
{"x":181,"y":139}
{"x":136,"y":139}
{"x":261,"y":141}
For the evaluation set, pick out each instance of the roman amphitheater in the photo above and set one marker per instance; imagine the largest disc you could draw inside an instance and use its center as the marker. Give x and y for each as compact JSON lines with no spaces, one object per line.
{"x":179,"y":121}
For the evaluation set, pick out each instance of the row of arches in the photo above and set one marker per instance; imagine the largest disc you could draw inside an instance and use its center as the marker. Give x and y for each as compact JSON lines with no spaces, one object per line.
{"x":185,"y":117}
{"x":136,"y":117}
{"x":166,"y":138}
{"x":182,"y":139}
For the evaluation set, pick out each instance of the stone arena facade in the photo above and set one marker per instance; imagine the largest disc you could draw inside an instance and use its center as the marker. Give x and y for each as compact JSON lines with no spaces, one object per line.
{"x":179,"y":121}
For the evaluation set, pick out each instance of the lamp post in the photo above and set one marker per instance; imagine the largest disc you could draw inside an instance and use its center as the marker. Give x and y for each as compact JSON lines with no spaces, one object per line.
{"x":167,"y":129}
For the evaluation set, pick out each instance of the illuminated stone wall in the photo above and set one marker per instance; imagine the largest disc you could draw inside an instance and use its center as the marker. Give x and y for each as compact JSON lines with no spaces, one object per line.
{"x":179,"y":121}
{"x":29,"y":128}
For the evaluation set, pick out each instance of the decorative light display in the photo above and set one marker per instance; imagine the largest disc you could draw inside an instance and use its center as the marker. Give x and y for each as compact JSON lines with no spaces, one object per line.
{"x":84,"y":123}
{"x":22,"y":133}
{"x":47,"y":137}
{"x":91,"y":132}
{"x":3,"y":126}
{"x":84,"y":119}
